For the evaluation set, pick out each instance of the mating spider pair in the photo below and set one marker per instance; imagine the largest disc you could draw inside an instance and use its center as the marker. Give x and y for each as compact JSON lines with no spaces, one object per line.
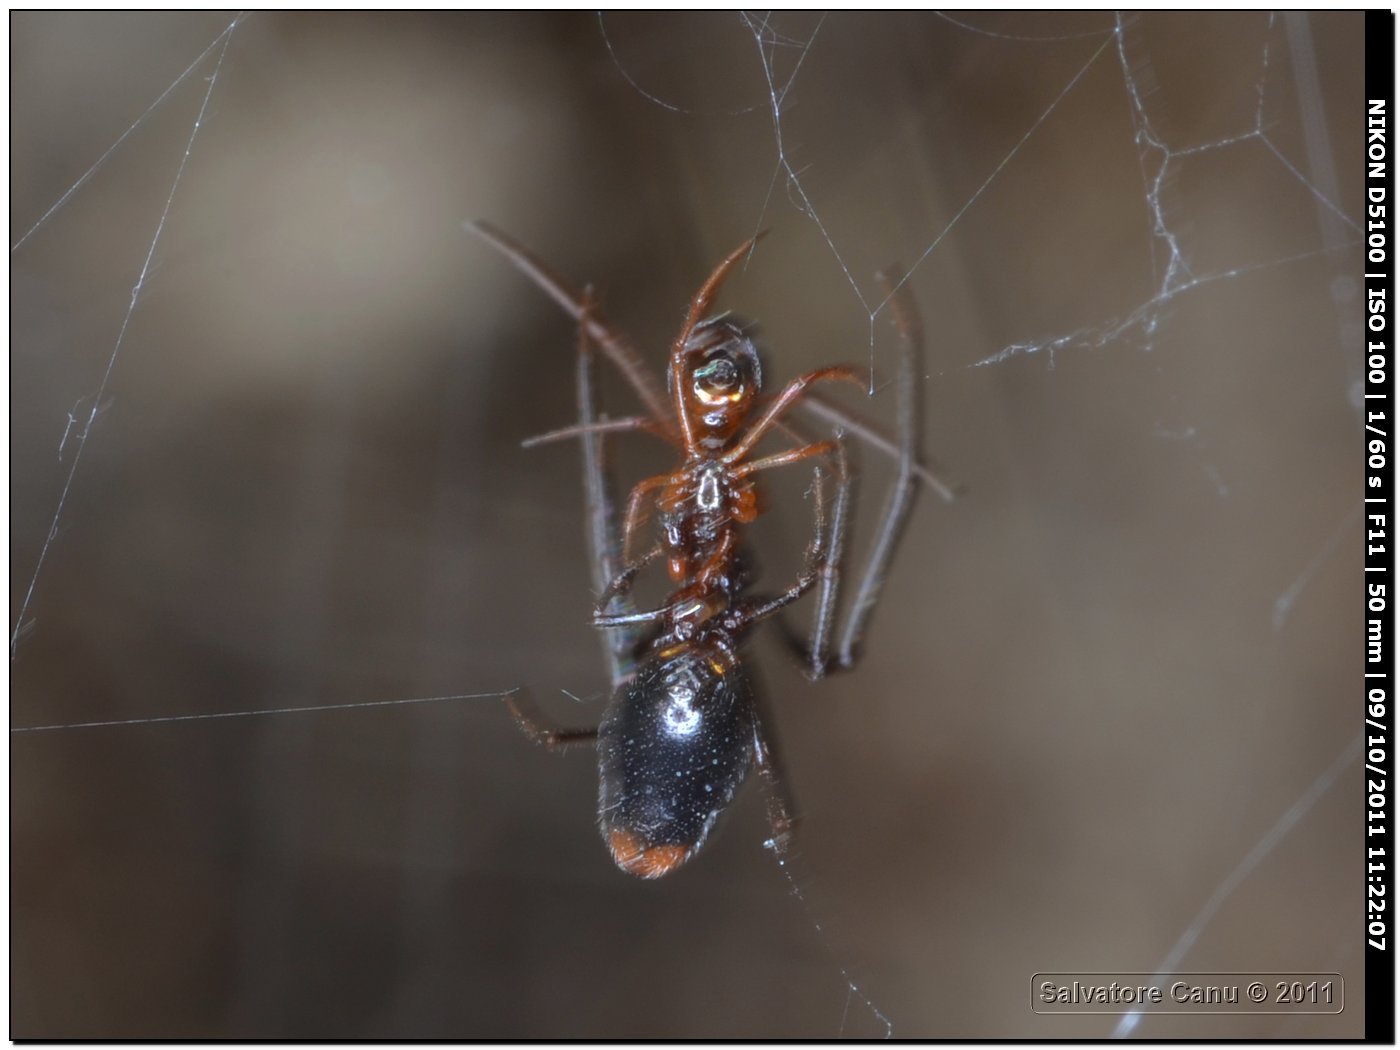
{"x":682,"y":727}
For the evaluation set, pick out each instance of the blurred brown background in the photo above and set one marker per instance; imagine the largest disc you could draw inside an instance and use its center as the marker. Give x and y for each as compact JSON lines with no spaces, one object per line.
{"x":1100,"y":678}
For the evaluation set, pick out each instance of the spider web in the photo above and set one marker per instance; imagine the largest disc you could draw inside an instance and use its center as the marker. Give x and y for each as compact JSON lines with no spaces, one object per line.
{"x":266,"y":404}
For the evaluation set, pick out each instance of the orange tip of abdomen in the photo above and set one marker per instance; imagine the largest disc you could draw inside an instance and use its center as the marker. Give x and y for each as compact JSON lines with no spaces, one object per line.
{"x":646,"y":862}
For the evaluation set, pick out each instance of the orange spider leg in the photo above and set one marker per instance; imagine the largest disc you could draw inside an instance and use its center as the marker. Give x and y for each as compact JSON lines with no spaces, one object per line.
{"x":637,"y":511}
{"x":791,"y":393}
{"x":601,"y":426}
{"x":614,"y":346}
{"x":782,"y":459}
{"x":718,"y":561}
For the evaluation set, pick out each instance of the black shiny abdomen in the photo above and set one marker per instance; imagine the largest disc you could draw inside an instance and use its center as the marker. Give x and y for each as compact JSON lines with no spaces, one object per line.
{"x":674,"y":746}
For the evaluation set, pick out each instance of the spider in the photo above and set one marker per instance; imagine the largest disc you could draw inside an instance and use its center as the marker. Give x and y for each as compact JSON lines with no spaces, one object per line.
{"x":682,"y":728}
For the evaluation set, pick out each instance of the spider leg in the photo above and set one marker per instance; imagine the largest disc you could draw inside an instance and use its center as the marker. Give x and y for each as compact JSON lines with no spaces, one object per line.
{"x":621,"y":584}
{"x":528,"y":718}
{"x":747,"y":613}
{"x":637,"y":510}
{"x":791,"y":393}
{"x":782,"y":459}
{"x":703,"y":299}
{"x":833,"y":553}
{"x":604,"y":426}
{"x":619,"y":647}
{"x":783,"y":842}
{"x":617,"y":349}
{"x":781,"y":819}
{"x":611,"y":621}
{"x":857,"y":426}
{"x":823,"y":564}
{"x":755,"y":610}
{"x":903,"y":491}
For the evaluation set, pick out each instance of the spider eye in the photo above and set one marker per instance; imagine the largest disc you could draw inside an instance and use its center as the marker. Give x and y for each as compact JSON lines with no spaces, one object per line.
{"x":718,"y":380}
{"x":720,"y":374}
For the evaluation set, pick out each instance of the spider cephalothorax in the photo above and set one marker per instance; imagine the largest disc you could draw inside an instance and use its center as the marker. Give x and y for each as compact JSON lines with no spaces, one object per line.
{"x":722,"y":378}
